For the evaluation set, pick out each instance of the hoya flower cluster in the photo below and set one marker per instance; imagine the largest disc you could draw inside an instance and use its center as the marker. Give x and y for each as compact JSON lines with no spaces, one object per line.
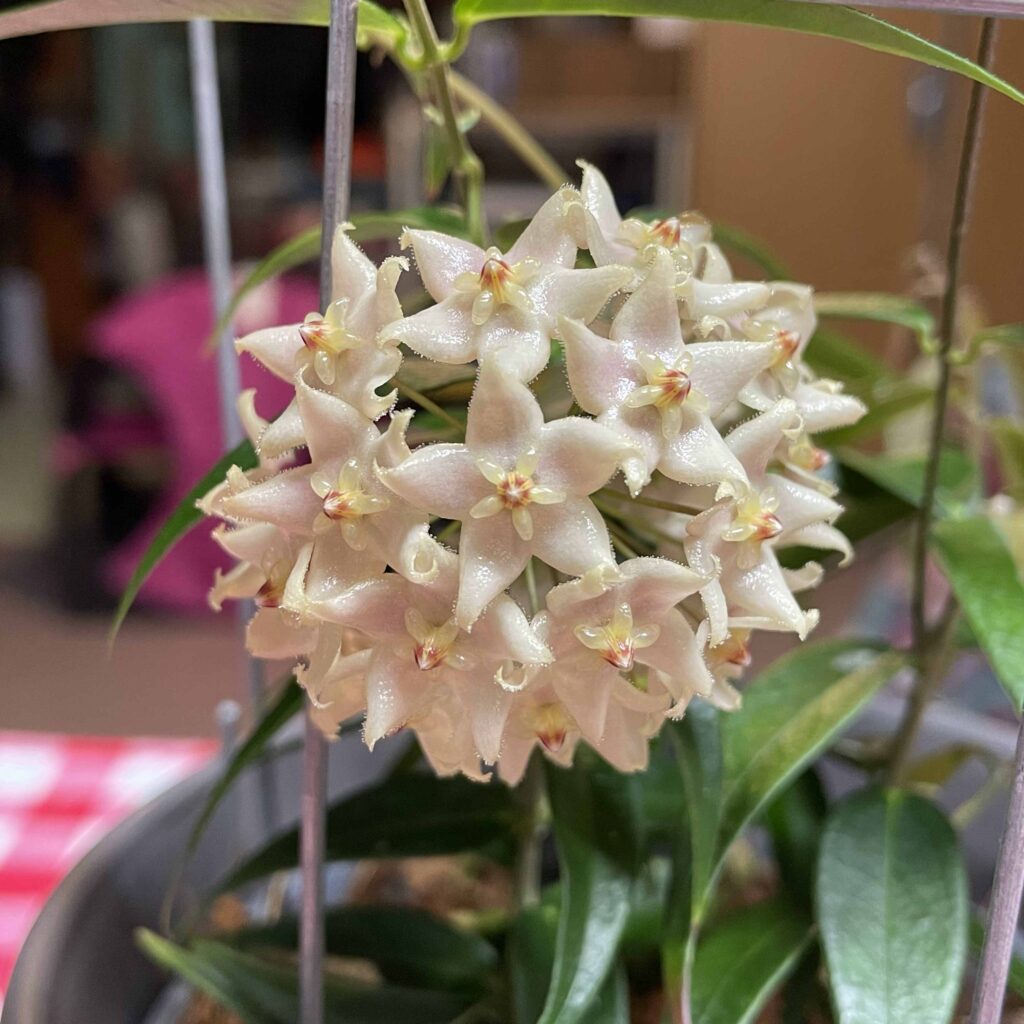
{"x":468,"y":587}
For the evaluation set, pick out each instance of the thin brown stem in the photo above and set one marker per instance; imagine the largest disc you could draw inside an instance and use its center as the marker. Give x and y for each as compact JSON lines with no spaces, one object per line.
{"x":665,"y":506}
{"x":520,"y":141}
{"x":930,"y":646}
{"x":947,"y":333}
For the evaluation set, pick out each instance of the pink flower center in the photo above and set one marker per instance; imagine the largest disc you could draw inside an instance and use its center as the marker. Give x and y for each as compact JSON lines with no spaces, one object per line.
{"x":514,"y":490}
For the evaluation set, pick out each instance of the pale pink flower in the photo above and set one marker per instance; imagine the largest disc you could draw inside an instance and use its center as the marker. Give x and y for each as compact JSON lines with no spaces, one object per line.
{"x":662,"y":395}
{"x":504,"y":306}
{"x":519,"y":487}
{"x":339,"y":349}
{"x":418,"y":651}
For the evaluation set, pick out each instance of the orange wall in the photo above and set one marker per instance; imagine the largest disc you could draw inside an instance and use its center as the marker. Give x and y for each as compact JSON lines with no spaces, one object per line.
{"x":804,"y":142}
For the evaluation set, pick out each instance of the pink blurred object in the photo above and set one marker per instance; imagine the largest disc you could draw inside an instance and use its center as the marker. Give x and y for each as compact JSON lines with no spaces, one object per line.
{"x":58,"y":796}
{"x":159,"y":337}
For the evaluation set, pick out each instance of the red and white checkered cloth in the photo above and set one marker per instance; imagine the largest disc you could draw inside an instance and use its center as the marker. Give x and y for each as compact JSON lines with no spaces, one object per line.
{"x":60,"y":794}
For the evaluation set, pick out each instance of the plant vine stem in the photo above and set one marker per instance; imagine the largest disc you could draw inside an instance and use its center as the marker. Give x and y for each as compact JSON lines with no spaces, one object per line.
{"x":429,"y":405}
{"x":665,"y":506}
{"x":1004,"y":904}
{"x":519,"y":140}
{"x":468,"y":170}
{"x":526,"y":874}
{"x":922,"y":637}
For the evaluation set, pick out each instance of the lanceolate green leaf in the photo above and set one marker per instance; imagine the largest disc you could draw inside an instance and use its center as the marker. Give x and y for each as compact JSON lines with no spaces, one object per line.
{"x":789,"y":714}
{"x":830,"y":354}
{"x":32,"y":16}
{"x":743,"y":960}
{"x":815,"y":19}
{"x":283,"y":709}
{"x":889,"y":309}
{"x":892,"y":907}
{"x":751,"y":248}
{"x":698,"y":744}
{"x":409,"y":946}
{"x":367,"y":227}
{"x":903,"y":476}
{"x":180,"y":521}
{"x":987,"y":584}
{"x":264,"y":991}
{"x":407,"y":816}
{"x":531,"y":952}
{"x":597,"y":833}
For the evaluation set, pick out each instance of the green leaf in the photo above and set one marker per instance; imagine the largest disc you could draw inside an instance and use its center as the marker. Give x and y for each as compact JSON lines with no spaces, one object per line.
{"x":892,"y":907}
{"x":596,"y":823}
{"x":832,"y":355}
{"x":1009,"y":438}
{"x":886,"y":401}
{"x":986,"y":582}
{"x":376,"y":26}
{"x":903,"y":476}
{"x":264,"y":991}
{"x":698,"y":745}
{"x":795,"y":820}
{"x":789,"y":714}
{"x":743,"y":961}
{"x":880,"y":306}
{"x":277,"y":715}
{"x":410,"y":946}
{"x":407,"y":816}
{"x":177,"y":524}
{"x":305,"y":246}
{"x":752,"y":249}
{"x":815,"y":19}
{"x":531,"y":952}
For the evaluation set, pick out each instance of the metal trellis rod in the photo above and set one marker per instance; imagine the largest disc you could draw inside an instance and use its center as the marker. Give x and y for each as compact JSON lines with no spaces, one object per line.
{"x":341,"y":67}
{"x":217,"y":252}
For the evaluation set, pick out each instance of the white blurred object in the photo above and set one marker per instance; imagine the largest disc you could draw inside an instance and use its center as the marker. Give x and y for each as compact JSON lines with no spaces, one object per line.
{"x":664,"y":33}
{"x":142,"y":240}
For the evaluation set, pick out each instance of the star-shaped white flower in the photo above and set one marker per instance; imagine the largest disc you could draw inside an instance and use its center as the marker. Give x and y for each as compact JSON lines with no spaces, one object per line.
{"x":786,"y":324}
{"x":602,"y":627}
{"x":337,"y":500}
{"x":519,"y":486}
{"x":660,"y":394}
{"x":418,"y":650}
{"x":339,"y":348}
{"x":504,"y":306}
{"x":739,"y":534}
{"x":704,"y":281}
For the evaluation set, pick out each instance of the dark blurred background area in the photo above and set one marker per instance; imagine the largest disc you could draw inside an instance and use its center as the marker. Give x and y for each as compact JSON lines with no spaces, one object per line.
{"x":839,"y":159}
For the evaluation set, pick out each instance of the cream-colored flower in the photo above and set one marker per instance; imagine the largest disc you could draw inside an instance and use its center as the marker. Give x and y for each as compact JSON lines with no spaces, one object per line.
{"x":504,"y":306}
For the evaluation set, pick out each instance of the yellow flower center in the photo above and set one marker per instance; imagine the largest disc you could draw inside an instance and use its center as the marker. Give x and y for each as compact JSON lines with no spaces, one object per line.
{"x":344,"y":503}
{"x":433,"y":645}
{"x":754,"y":518}
{"x":514,"y":491}
{"x":618,"y":640}
{"x":271,"y":593}
{"x":497,"y":284}
{"x":550,"y":723}
{"x":667,"y":388}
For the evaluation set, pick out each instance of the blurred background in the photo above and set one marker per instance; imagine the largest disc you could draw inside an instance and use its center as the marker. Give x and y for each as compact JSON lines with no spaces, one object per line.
{"x":841,"y":160}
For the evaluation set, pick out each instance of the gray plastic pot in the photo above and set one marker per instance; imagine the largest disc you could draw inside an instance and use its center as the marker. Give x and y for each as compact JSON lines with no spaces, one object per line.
{"x":80,"y":964}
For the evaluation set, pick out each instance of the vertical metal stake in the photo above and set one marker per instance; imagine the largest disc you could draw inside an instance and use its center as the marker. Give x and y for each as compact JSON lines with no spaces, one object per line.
{"x":217,"y":250}
{"x":1003,"y":904}
{"x":341,"y":68}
